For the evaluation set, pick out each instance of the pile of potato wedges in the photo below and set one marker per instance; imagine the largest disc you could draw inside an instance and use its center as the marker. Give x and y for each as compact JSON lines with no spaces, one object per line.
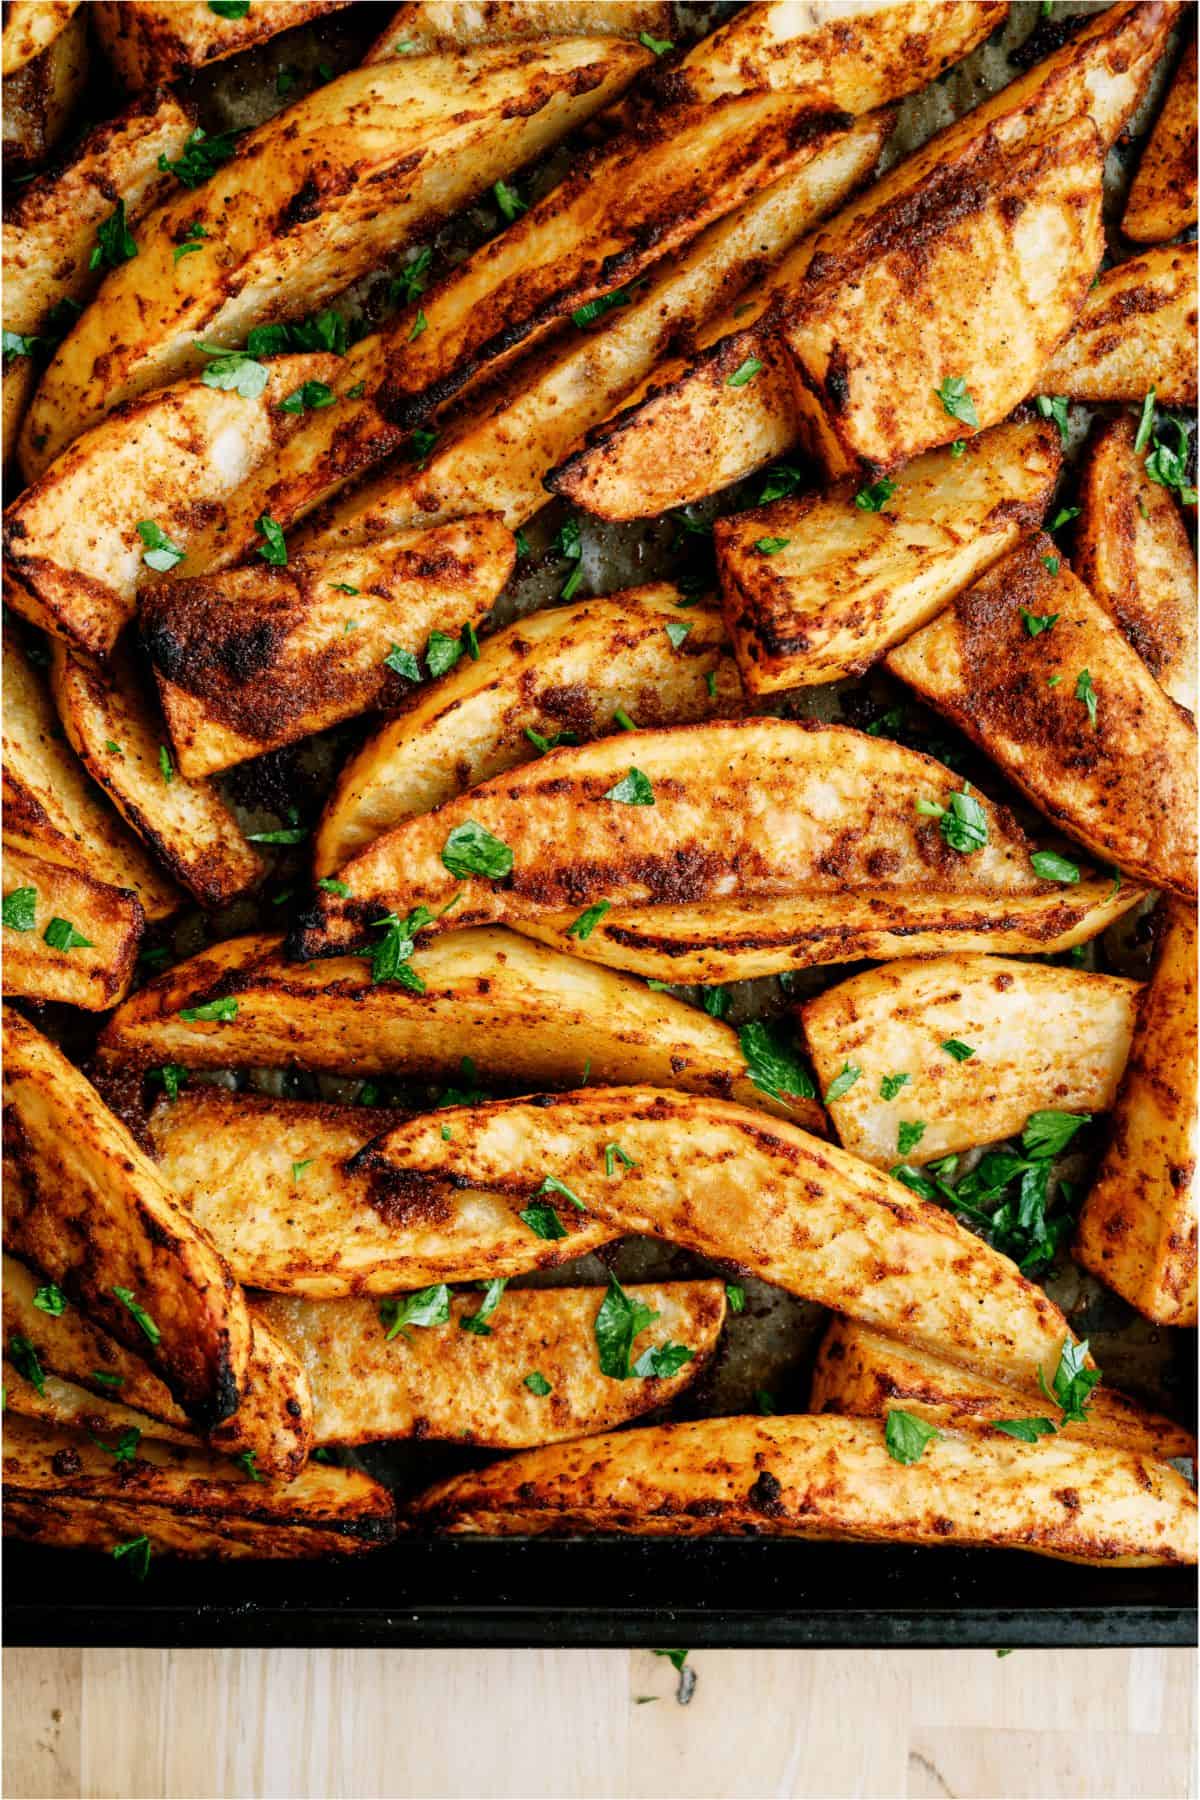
{"x":600,"y":648}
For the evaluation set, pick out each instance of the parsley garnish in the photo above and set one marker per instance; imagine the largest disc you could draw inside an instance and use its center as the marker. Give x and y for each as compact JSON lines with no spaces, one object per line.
{"x":906,"y":1436}
{"x":1036,"y":623}
{"x":1073,"y":1383}
{"x":890,"y":1086}
{"x":957,"y":402}
{"x":19,"y":912}
{"x":1027,"y":1430}
{"x":225,"y":1010}
{"x":310,"y":396}
{"x":25,"y":1361}
{"x":166,"y":767}
{"x":508,"y":200}
{"x":233,"y":371}
{"x":963,"y":822}
{"x":419,"y":325}
{"x":1146,"y":422}
{"x":587,"y":922}
{"x":614,"y":1153}
{"x":1053,"y":867}
{"x":1049,"y":1133}
{"x":771,"y":1061}
{"x":537,"y":1384}
{"x":1054,"y":406}
{"x":137,"y":1550}
{"x":622,"y":719}
{"x":618,"y":1322}
{"x":430,"y":1306}
{"x":771,"y":546}
{"x":633,"y":790}
{"x":172,"y":1076}
{"x":842,"y":1082}
{"x":51,"y":1299}
{"x":413,"y":278}
{"x":161,"y":552}
{"x":875,"y":497}
{"x":125,"y":1448}
{"x":591,"y":310}
{"x":735,"y":1297}
{"x":125,"y":1296}
{"x":390,"y":957}
{"x":1063,"y":516}
{"x":274,"y":550}
{"x":191,"y":241}
{"x":662,"y":1361}
{"x":909,"y":1135}
{"x":1168,"y":468}
{"x":544,"y":744}
{"x":783,"y":479}
{"x":470,"y":849}
{"x":402,"y":662}
{"x":477,"y":1322}
{"x":115,"y":243}
{"x":659,"y":46}
{"x":744,"y":373}
{"x":60,"y":934}
{"x":1086,"y":692}
{"x":958,"y":1050}
{"x":543,"y":1221}
{"x":247,"y":1462}
{"x":201,"y":157}
{"x":676,"y":632}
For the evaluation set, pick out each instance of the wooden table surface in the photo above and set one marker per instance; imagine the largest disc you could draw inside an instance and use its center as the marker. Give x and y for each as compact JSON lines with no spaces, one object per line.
{"x":528,"y":1723}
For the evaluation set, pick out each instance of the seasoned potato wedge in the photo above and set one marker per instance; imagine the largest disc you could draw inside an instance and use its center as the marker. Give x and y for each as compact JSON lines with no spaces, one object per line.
{"x":43,"y":87}
{"x":832,"y":1478}
{"x":423,"y":26}
{"x":93,"y":966}
{"x":739,"y":810}
{"x":1162,"y":199}
{"x":449,"y":1382}
{"x":863,"y":1374}
{"x":734,"y":1186}
{"x":86,"y":1205}
{"x":114,"y":728}
{"x":156,"y":40}
{"x":514,"y":1008}
{"x":1133,"y":553}
{"x":65,"y":1489}
{"x":1010,"y":240}
{"x":231,"y":1161}
{"x":565,"y":671}
{"x":1037,"y":1037}
{"x":53,"y":811}
{"x":1072,"y":714}
{"x":31,"y":26}
{"x":1137,"y":331}
{"x":66,"y":1407}
{"x":1138,"y":1227}
{"x":815,"y":588}
{"x":254,"y":658}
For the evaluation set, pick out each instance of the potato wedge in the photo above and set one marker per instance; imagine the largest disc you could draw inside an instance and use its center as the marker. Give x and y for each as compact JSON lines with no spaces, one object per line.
{"x":832,"y":1478}
{"x":424,"y":26}
{"x":67,"y":1490}
{"x":156,"y":40}
{"x":1072,"y":715}
{"x":815,"y":588}
{"x":1137,"y":331}
{"x":31,"y":26}
{"x":309,"y":201}
{"x":254,"y":658}
{"x":53,"y":811}
{"x":522,"y":1012}
{"x":40,"y":94}
{"x":65,"y":1407}
{"x":93,"y":964}
{"x":563,"y":671}
{"x":1010,"y":239}
{"x":1137,"y":1231}
{"x":448,"y":1382}
{"x":115,"y":730}
{"x":739,"y":810}
{"x":85,"y":1205}
{"x":1037,"y":1037}
{"x":231,"y":1161}
{"x":1162,"y":199}
{"x":733,"y":1186}
{"x":860,"y":1373}
{"x":1134,"y":555}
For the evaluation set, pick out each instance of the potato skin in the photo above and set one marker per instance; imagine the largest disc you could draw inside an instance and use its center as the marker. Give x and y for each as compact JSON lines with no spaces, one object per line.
{"x":1125,"y":785}
{"x":832,"y":1478}
{"x":1137,"y":331}
{"x":1137,"y":1231}
{"x":1162,"y":198}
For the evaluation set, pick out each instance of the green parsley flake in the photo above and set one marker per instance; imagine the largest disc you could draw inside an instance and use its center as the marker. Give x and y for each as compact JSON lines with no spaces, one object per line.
{"x":274,"y":550}
{"x":957,"y":402}
{"x":890,"y":1086}
{"x":744,"y":373}
{"x":60,"y":934}
{"x":125,"y":1296}
{"x":958,"y":1050}
{"x":161,"y":552}
{"x":875,"y":497}
{"x":842,"y":1082}
{"x":587,"y":922}
{"x":225,"y":1010}
{"x":634,"y":790}
{"x":906,"y":1436}
{"x":19,"y":912}
{"x":470,"y":849}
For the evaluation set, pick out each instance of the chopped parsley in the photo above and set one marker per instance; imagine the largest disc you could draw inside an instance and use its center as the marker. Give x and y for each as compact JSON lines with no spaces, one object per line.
{"x":172,"y":1076}
{"x":138,"y":1312}
{"x":135,"y":1552}
{"x":613,"y":1154}
{"x":329,"y":884}
{"x":772,"y":1062}
{"x":591,"y":310}
{"x":1168,"y":467}
{"x":51,"y":1299}
{"x":441,"y":653}
{"x":247,"y":1462}
{"x":60,"y":934}
{"x":662,"y":1361}
{"x":508,"y":200}
{"x":1063,"y":516}
{"x":1053,"y":867}
{"x":957,"y":401}
{"x":735,"y":1297}
{"x":413,"y":278}
{"x":115,"y":243}
{"x":552,"y":1185}
{"x":390,"y":957}
{"x":298,"y":1168}
{"x":200,"y":157}
{"x":310,"y":396}
{"x":875,"y":497}
{"x":160,"y":552}
{"x":543,"y":1221}
{"x":402,"y":662}
{"x":842,"y":1082}
{"x":224,"y":1010}
{"x":633,"y":790}
{"x":619,"y":1321}
{"x":744,"y":373}
{"x":233,"y":371}
{"x":544,"y":744}
{"x":24,"y":1359}
{"x":676,"y":632}
{"x":537,"y":1384}
{"x":771,"y":546}
{"x":470,"y":849}
{"x":587,"y":922}
{"x":191,"y":241}
{"x":906,"y":1436}
{"x":477,"y":1322}
{"x":1086,"y":692}
{"x":274,"y":549}
{"x":890,"y":1086}
{"x":1036,"y":623}
{"x":126,"y":1447}
{"x":429,"y":1306}
{"x":19,"y":912}
{"x":166,"y":767}
{"x":1027,"y":1430}
{"x":1073,"y":1382}
{"x":659,"y":46}
{"x":909,"y":1135}
{"x":1146,"y":422}
{"x":1055,"y":406}
{"x":963,"y":822}
{"x":958,"y":1050}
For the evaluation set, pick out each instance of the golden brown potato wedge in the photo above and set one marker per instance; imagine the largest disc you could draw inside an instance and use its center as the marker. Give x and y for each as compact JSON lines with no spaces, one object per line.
{"x":156,"y":40}
{"x":40,"y":93}
{"x":66,"y":1407}
{"x":68,"y":1490}
{"x":88,"y":957}
{"x":1133,"y":553}
{"x":518,"y":1011}
{"x":863,"y":1374}
{"x":1137,"y":331}
{"x":31,"y":26}
{"x":1025,"y":1037}
{"x":731,"y":1185}
{"x":1010,"y":239}
{"x":1138,"y":1227}
{"x":253,"y":658}
{"x":309,"y":201}
{"x":423,"y":26}
{"x":737,"y":811}
{"x":85,"y":1205}
{"x":815,"y":587}
{"x":53,"y":811}
{"x":115,"y":729}
{"x":231,"y":1160}
{"x":832,"y":1478}
{"x":563,"y":672}
{"x":447,"y":1381}
{"x":1071,"y":714}
{"x":1162,"y":199}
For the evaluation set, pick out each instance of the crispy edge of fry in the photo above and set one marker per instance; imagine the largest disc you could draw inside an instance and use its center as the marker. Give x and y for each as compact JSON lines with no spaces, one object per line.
{"x":1137,"y":331}
{"x":1162,"y":197}
{"x":156,"y":42}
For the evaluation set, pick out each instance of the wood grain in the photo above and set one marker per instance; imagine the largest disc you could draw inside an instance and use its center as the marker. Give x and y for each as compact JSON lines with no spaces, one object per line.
{"x":572,"y":1724}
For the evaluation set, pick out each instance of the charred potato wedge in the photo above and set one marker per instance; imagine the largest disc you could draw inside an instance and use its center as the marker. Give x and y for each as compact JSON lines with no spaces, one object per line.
{"x":156,"y":40}
{"x":1024,"y":1036}
{"x":48,"y":67}
{"x":741,"y":811}
{"x":452,"y":1382}
{"x":1133,"y":554}
{"x":231,"y":1161}
{"x":1137,"y":331}
{"x":113,"y":727}
{"x":1162,"y":199}
{"x":1071,"y":714}
{"x":565,"y":672}
{"x":424,"y":26}
{"x":815,"y":588}
{"x":322,"y":631}
{"x":862,"y":1374}
{"x":736,"y":1187}
{"x":1137,"y":1231}
{"x":88,"y":1207}
{"x":509,"y":1005}
{"x":68,"y":1490}
{"x":832,"y":1478}
{"x":70,"y":938}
